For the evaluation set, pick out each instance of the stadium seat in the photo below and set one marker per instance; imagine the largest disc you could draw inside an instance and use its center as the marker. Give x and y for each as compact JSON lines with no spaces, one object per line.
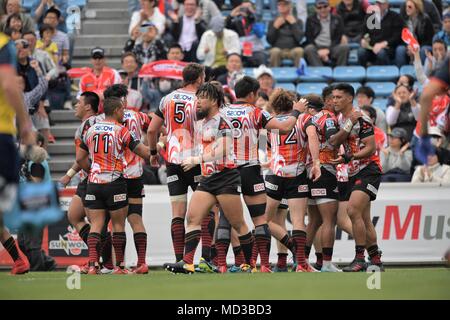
{"x":382,"y":73}
{"x":418,"y":85}
{"x":349,"y":74}
{"x":286,"y":86}
{"x":249,"y":71}
{"x":382,"y":89}
{"x":27,"y":4}
{"x":287,"y":63}
{"x":408,"y":69}
{"x":311,"y":87}
{"x":353,"y":57}
{"x":285,"y":74}
{"x":317,"y":74}
{"x":380,"y":103}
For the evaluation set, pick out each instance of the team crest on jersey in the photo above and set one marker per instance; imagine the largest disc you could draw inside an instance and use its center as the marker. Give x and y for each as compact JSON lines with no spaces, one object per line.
{"x":120,"y":197}
{"x":330,"y":123}
{"x":258,"y":187}
{"x":303,"y":188}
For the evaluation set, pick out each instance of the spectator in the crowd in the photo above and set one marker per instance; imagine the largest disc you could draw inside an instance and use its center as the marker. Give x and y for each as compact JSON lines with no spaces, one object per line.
{"x":207,"y":8}
{"x":45,"y":61}
{"x":130,"y":66}
{"x":285,"y":35}
{"x":406,"y":80}
{"x":327,"y":43}
{"x":175,"y":52}
{"x":217,"y":43}
{"x":150,"y":48}
{"x":15,"y":7}
{"x":265,"y":78}
{"x":397,"y":158}
{"x":234,"y":71}
{"x":430,"y":9}
{"x":14,"y":22}
{"x":435,"y":57}
{"x":380,"y":38}
{"x":444,"y":34}
{"x":433,"y":171}
{"x":100,"y":77}
{"x":380,"y":135}
{"x":40,"y":7}
{"x":420,"y":25}
{"x":364,"y":97}
{"x":61,"y":39}
{"x":187,"y":29}
{"x":149,"y":13}
{"x":405,"y":111}
{"x":45,"y":42}
{"x":438,"y":141}
{"x":242,"y":20}
{"x":352,"y":14}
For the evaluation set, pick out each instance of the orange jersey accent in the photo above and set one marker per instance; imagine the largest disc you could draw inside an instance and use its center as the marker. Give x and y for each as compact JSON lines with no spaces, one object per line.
{"x":90,"y":82}
{"x":137,"y":123}
{"x":247,"y":120}
{"x":106,"y":142}
{"x":361,"y":129}
{"x":438,"y":106}
{"x":289,"y":151}
{"x":178,"y":111}
{"x":380,"y":139}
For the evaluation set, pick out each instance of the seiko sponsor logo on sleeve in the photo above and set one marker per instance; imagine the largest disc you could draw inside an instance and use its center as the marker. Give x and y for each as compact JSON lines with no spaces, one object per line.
{"x":120,"y":197}
{"x":172,"y":178}
{"x":303,"y":188}
{"x":89,"y":197}
{"x":318,"y":192}
{"x":271,"y":186}
{"x":372,"y":189}
{"x":258,"y":187}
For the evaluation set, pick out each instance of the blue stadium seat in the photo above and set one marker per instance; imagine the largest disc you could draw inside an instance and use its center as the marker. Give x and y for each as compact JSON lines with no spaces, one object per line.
{"x":380,"y":103}
{"x":27,"y":4}
{"x":285,"y":74}
{"x":382,"y":89}
{"x":287,"y":63}
{"x":382,"y":73}
{"x":287,"y":86}
{"x":79,"y":3}
{"x":317,"y":74}
{"x":248,"y":71}
{"x":349,"y":74}
{"x":408,"y":69}
{"x":418,"y":85}
{"x":311,"y":87}
{"x":353,"y":57}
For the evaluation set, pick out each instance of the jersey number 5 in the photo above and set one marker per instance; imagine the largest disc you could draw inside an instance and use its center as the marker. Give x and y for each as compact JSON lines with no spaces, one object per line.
{"x":179,"y":112}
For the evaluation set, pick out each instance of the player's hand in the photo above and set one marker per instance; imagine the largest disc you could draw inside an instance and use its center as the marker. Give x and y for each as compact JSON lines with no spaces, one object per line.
{"x":154,"y":161}
{"x":65,"y":180}
{"x":190,"y":162}
{"x":337,"y":161}
{"x":423,"y":149}
{"x":355,"y":116}
{"x":315,"y":172}
{"x":27,"y":137}
{"x":300,"y":105}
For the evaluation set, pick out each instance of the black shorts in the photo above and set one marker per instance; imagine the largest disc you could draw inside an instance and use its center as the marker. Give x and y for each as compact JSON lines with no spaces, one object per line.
{"x":179,"y":181}
{"x":343,"y":188}
{"x":288,"y":188}
{"x":108,"y":196}
{"x":252,"y":180}
{"x":81,"y":190}
{"x":226,"y":182}
{"x":367,"y":180}
{"x":9,"y":172}
{"x":135,"y":188}
{"x":325,"y":187}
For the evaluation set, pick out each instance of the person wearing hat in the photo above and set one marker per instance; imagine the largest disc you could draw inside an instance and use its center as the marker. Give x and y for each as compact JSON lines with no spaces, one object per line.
{"x":217,"y":43}
{"x":285,"y":35}
{"x":438,"y":141}
{"x":444,"y":34}
{"x":150,"y":48}
{"x":396,"y":159}
{"x":325,"y":37}
{"x":100,"y":77}
{"x":265,"y":78}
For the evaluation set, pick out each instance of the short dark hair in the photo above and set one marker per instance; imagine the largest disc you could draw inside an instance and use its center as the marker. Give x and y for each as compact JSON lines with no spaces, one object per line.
{"x":281,"y":100}
{"x":175,"y":46}
{"x":192,"y":72}
{"x":111,"y":104}
{"x":410,"y":79}
{"x":314,"y":101}
{"x":211,"y":91}
{"x":367,"y":91}
{"x":92,"y":99}
{"x":326,"y":92}
{"x":53,"y":10}
{"x":245,"y":86}
{"x":45,"y":27}
{"x":29,"y":33}
{"x":116,"y":90}
{"x":441,"y":42}
{"x":348,"y":89}
{"x":263,"y":95}
{"x":128,"y":54}
{"x":371,"y":111}
{"x":13,"y":16}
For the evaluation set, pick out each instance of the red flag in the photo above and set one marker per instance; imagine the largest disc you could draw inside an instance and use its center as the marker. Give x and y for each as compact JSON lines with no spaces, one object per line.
{"x":75,"y":73}
{"x":409,"y":39}
{"x":171,"y":69}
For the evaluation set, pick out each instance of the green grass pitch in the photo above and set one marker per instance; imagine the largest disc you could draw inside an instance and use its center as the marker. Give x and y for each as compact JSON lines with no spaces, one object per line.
{"x":412,"y":283}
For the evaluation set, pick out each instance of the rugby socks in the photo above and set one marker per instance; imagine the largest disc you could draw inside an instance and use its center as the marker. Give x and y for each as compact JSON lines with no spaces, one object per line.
{"x":263,"y":241}
{"x":299,"y":238}
{"x":282,"y":260}
{"x":247,"y":243}
{"x":177,"y":231}
{"x":238,"y":256}
{"x":327,"y":254}
{"x":214,"y":254}
{"x":208,"y":226}
{"x":192,"y":240}
{"x":119,"y":241}
{"x":94,"y":240}
{"x":289,"y":243}
{"x":11,"y":247}
{"x":84,"y":232}
{"x":106,"y":250}
{"x":222,"y":246}
{"x":140,"y":241}
{"x":307,"y":251}
{"x":319,"y":259}
{"x":374,"y":254}
{"x":359,"y":252}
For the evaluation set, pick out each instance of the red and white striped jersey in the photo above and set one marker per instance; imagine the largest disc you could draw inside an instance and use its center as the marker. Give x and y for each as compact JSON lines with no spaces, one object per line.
{"x":207,"y":133}
{"x":106,"y":142}
{"x":289,"y":151}
{"x":361,"y":129}
{"x":247,"y":120}
{"x":79,"y":134}
{"x":178,"y":111}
